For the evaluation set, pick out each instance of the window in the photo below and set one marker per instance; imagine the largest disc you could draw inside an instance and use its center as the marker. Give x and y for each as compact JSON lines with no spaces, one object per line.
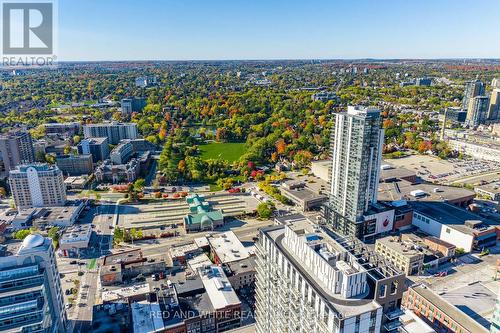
{"x":382,"y":289}
{"x":394,"y":287}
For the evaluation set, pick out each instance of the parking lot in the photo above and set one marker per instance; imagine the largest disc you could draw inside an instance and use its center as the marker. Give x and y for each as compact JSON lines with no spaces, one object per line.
{"x":160,"y":215}
{"x":433,"y":169}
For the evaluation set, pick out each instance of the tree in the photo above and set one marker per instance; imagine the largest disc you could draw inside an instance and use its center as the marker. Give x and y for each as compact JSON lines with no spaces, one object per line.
{"x":181,"y":166}
{"x":280,"y":146}
{"x":54,"y":235}
{"x":302,"y":158}
{"x":67,"y":149}
{"x":76,"y":139}
{"x":3,"y":192}
{"x":21,"y":234}
{"x":139,"y":185}
{"x":264,"y":210}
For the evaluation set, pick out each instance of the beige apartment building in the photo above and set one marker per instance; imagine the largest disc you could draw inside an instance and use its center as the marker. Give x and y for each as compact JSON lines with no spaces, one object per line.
{"x":37,"y":185}
{"x":402,"y":254}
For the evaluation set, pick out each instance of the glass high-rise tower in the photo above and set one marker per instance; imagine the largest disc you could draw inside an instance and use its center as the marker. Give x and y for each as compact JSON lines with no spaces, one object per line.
{"x":356,"y":150}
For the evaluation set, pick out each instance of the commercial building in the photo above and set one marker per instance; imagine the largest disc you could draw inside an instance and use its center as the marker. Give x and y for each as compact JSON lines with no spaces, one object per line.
{"x":74,"y":239}
{"x":201,"y":216}
{"x":30,"y":289}
{"x":226,"y":248}
{"x":206,"y":304}
{"x":134,"y":104}
{"x":181,"y":253}
{"x":15,"y":148}
{"x":412,"y":254}
{"x":241,"y":274}
{"x":116,"y":268}
{"x":454,"y":225}
{"x":409,"y":191}
{"x":490,"y":191}
{"x":122,"y":153}
{"x":97,"y":147}
{"x":37,"y":185}
{"x":311,"y":280}
{"x":113,"y":131}
{"x":304,"y":198}
{"x":357,"y":141}
{"x":472,"y":89}
{"x":388,"y":173}
{"x":75,"y":165}
{"x":59,"y":216}
{"x":401,"y":254}
{"x":69,"y":129}
{"x":439,"y":313}
{"x":477,"y":111}
{"x":494,"y":107}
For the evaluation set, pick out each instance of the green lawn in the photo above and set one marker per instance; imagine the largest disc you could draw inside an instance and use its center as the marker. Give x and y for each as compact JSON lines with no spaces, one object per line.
{"x":229,"y":151}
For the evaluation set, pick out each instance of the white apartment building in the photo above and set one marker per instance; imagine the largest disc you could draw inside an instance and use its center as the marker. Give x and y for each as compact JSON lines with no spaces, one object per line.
{"x":37,"y":185}
{"x":308,"y":281}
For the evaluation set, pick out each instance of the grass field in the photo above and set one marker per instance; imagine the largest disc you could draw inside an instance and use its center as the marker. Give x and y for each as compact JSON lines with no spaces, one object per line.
{"x":229,"y":151}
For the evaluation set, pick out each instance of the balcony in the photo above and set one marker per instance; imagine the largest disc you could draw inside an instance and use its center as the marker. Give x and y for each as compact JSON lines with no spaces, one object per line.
{"x":392,"y":325}
{"x":394,"y":314}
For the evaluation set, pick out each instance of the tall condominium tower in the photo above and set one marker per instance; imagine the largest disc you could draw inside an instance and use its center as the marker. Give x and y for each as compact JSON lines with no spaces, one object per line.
{"x":495,"y":83}
{"x":356,"y":149}
{"x":472,"y":89}
{"x":310,"y":281}
{"x":477,"y":112}
{"x":37,"y":185}
{"x":30,"y":289}
{"x":15,"y":148}
{"x":494,"y":107}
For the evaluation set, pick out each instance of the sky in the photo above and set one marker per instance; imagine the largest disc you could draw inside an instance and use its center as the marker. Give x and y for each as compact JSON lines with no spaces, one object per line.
{"x":92,"y":30}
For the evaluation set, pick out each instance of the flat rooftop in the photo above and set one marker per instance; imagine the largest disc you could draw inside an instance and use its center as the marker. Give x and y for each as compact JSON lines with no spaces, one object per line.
{"x":50,"y":213}
{"x":402,"y":189}
{"x":242,"y":266}
{"x":303,"y":194}
{"x":391,"y":173}
{"x":446,"y":213}
{"x":404,"y":247}
{"x":228,"y":247}
{"x":123,"y":257}
{"x":181,"y":250}
{"x":75,"y":233}
{"x":492,"y":187}
{"x":126,"y":292}
{"x":450,"y":310}
{"x":142,"y":319}
{"x":199,"y":261}
{"x":218,"y":287}
{"x":477,"y":301}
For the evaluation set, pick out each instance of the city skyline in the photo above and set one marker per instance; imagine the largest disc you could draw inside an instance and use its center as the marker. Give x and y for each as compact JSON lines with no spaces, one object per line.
{"x":279,"y":30}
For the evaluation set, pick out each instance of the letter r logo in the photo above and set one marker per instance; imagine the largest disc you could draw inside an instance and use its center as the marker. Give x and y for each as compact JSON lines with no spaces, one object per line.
{"x":27,"y":28}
